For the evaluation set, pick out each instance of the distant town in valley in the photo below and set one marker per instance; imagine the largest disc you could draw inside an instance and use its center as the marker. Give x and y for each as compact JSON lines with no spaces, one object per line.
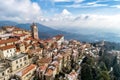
{"x":24,"y":56}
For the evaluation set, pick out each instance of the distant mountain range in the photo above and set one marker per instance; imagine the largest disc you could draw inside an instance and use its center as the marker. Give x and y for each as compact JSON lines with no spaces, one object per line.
{"x":47,"y":32}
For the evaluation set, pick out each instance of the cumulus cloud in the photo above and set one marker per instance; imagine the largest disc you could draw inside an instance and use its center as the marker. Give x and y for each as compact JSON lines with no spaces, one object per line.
{"x":75,"y":1}
{"x":27,"y":11}
{"x":20,"y":10}
{"x":84,"y":21}
{"x":65,"y":12}
{"x":61,"y":0}
{"x":116,"y":6}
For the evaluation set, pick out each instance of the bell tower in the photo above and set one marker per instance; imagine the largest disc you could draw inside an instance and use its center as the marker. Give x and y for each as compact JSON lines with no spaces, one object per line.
{"x":34,"y":30}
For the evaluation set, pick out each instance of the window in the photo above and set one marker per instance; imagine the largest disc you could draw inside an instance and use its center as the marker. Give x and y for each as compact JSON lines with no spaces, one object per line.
{"x":3,"y":74}
{"x":16,"y":62}
{"x":20,"y":64}
{"x":17,"y":67}
{"x":8,"y":71}
{"x":25,"y":58}
{"x":20,"y":60}
{"x":25,"y":63}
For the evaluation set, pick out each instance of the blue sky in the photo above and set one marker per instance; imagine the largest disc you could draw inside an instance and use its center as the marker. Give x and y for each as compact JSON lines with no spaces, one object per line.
{"x":64,"y":14}
{"x":80,"y":6}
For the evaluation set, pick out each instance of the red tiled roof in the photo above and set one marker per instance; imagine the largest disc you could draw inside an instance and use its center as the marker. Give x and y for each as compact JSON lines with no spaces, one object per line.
{"x":8,"y":40}
{"x":27,"y":69}
{"x":58,"y":37}
{"x":19,"y":35}
{"x":7,"y":47}
{"x":48,"y":40}
{"x":49,"y":72}
{"x":29,"y":38}
{"x":38,"y":50}
{"x":18,"y":29}
{"x":45,"y":60}
{"x":42,"y":68}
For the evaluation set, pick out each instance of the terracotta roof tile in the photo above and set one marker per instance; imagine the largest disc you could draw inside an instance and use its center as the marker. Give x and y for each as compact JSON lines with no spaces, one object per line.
{"x":8,"y":40}
{"x":20,"y":35}
{"x":48,"y":40}
{"x":49,"y":72}
{"x":27,"y":69}
{"x":7,"y":47}
{"x":43,"y":68}
{"x":45,"y":60}
{"x":58,"y":37}
{"x":18,"y":29}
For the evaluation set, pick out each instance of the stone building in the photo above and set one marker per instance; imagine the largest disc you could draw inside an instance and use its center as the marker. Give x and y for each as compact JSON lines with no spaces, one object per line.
{"x":34,"y":30}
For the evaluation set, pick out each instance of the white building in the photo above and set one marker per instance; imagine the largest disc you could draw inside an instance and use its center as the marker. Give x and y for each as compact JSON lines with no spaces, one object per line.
{"x":4,"y":71}
{"x":59,"y":39}
{"x":7,"y":51}
{"x":18,"y":62}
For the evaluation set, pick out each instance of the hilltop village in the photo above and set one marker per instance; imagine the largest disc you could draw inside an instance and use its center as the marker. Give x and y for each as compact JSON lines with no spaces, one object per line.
{"x":24,"y":56}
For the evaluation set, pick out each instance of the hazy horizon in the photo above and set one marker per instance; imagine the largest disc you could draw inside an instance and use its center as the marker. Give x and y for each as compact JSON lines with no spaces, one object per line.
{"x":67,"y":15}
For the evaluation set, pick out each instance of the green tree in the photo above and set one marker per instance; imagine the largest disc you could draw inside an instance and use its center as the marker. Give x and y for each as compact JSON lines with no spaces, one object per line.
{"x":86,"y":72}
{"x":88,"y":60}
{"x":103,"y":75}
{"x":114,"y":61}
{"x":102,"y":66}
{"x":107,"y":60}
{"x":100,"y":52}
{"x":116,"y":70}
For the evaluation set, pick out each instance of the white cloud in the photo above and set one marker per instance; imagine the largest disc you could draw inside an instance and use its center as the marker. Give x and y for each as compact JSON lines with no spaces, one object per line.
{"x":66,"y":12}
{"x":79,"y":4}
{"x":20,"y":10}
{"x":116,"y":6}
{"x":75,"y":1}
{"x":88,"y":5}
{"x":78,"y":1}
{"x":61,"y":0}
{"x":65,"y":15}
{"x":98,"y":5}
{"x":107,"y":22}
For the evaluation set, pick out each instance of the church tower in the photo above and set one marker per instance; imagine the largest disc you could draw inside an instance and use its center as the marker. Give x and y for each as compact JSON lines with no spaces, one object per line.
{"x":34,"y":30}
